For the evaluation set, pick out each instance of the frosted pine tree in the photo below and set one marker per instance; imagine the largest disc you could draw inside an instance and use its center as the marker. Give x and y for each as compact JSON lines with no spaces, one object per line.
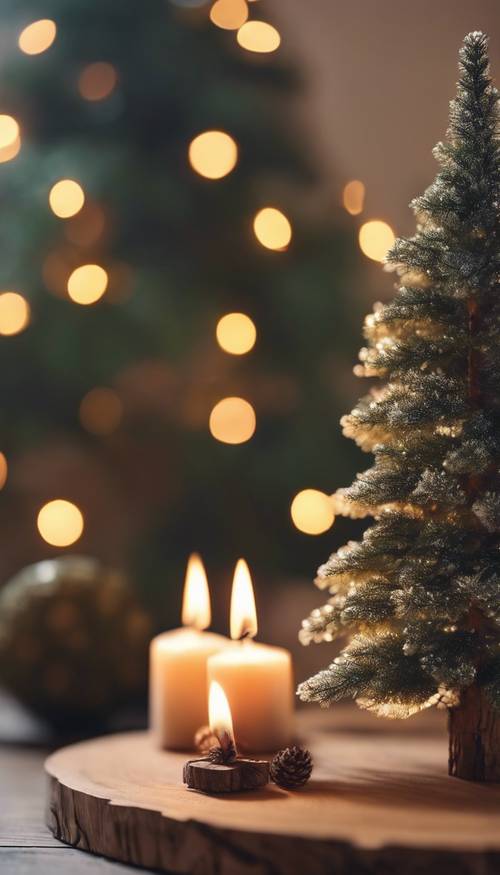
{"x":419,"y":596}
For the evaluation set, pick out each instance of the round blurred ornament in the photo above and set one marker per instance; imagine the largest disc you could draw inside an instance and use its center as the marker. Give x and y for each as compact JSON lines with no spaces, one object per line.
{"x":73,"y":641}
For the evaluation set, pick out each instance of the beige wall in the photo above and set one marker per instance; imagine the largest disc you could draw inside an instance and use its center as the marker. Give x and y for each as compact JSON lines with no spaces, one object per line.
{"x":380,"y":74}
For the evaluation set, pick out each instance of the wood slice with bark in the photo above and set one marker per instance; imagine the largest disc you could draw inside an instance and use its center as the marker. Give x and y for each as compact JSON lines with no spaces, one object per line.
{"x":379,"y":800}
{"x":241,"y":774}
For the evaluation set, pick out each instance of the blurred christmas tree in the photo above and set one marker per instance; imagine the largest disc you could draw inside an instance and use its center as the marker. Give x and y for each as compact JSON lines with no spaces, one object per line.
{"x":127,"y":269}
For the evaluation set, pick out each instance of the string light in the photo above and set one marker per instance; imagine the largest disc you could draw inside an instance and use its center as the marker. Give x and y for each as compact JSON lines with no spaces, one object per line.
{"x":37,"y":37}
{"x":272,"y":228}
{"x":229,"y":14}
{"x":7,"y":153}
{"x":97,"y":81}
{"x":66,"y":198}
{"x":101,"y":411}
{"x":312,"y":512}
{"x":236,"y":333}
{"x":375,"y":239}
{"x":60,"y":522}
{"x":213,"y":154}
{"x":4,"y":470}
{"x":353,"y":197}
{"x":232,"y":421}
{"x":9,"y":131}
{"x":258,"y":36}
{"x":14,"y":313}
{"x":87,"y":284}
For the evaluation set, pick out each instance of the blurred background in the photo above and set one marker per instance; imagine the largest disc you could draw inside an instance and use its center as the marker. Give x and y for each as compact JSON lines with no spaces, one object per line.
{"x":195,"y":201}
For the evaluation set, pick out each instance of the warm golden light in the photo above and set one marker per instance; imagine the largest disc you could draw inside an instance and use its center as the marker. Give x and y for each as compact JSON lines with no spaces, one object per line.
{"x":97,"y":81}
{"x":101,"y":411}
{"x":66,"y":198}
{"x":87,"y":284}
{"x":213,"y":154}
{"x":272,"y":228}
{"x":4,"y":468}
{"x":60,"y":523}
{"x":236,"y":333}
{"x":219,"y":712}
{"x":243,"y":614}
{"x":9,"y":131}
{"x":258,"y":36}
{"x":7,"y":153}
{"x":196,"y":599}
{"x":37,"y":37}
{"x":375,"y":239}
{"x":229,"y":14}
{"x":312,"y":512}
{"x":353,"y":197}
{"x":232,"y":421}
{"x":14,"y":313}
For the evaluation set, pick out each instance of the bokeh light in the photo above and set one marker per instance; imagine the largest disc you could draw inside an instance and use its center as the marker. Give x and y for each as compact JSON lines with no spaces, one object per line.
{"x":60,"y":522}
{"x":229,"y":14}
{"x":14,"y":313}
{"x":375,"y":239}
{"x":213,"y":154}
{"x":258,"y":36}
{"x":37,"y":37}
{"x":312,"y":512}
{"x":236,"y":333}
{"x":9,"y":131}
{"x":353,"y":197}
{"x":101,"y":411}
{"x":87,"y":284}
{"x":4,"y":470}
{"x":272,"y":228}
{"x":66,"y":198}
{"x":232,"y":421}
{"x":7,"y":153}
{"x":97,"y":81}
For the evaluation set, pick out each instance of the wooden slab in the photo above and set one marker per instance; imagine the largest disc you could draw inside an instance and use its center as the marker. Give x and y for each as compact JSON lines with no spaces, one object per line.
{"x":379,"y":801}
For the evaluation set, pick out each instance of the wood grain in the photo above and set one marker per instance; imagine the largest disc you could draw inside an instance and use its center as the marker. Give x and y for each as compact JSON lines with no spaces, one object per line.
{"x":242,"y":774}
{"x":377,"y":802}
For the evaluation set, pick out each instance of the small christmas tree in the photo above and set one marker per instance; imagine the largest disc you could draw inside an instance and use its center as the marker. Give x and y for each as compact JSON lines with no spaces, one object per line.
{"x":419,"y":596}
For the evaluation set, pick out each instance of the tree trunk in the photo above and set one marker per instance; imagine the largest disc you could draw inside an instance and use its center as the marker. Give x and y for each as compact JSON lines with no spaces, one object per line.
{"x":474,"y":728}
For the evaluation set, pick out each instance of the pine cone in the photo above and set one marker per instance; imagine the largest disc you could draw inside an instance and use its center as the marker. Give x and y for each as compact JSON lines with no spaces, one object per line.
{"x":205,"y":739}
{"x":291,"y":767}
{"x":220,"y":754}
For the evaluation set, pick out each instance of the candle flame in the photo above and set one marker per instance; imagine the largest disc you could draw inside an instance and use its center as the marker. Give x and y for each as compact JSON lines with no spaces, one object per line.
{"x":219,"y":712}
{"x":243,"y":618}
{"x":196,"y":600}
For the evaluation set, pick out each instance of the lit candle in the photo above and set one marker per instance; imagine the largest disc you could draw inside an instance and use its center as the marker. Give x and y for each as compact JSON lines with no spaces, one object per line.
{"x":220,"y":719}
{"x":256,"y":678}
{"x":223,"y":771}
{"x":178,"y":667}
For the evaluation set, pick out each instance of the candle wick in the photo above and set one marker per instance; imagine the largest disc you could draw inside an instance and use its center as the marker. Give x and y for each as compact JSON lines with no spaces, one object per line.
{"x":245,"y":636}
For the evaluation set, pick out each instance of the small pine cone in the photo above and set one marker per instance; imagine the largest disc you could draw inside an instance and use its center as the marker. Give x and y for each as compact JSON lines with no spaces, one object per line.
{"x":205,"y":739}
{"x":291,"y":767}
{"x":220,"y":754}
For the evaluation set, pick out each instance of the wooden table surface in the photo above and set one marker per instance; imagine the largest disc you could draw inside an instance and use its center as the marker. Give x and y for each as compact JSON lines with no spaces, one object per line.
{"x":26,"y":845}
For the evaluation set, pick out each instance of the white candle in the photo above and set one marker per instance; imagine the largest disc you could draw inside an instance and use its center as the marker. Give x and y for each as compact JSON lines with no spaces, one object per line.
{"x":178,"y":701}
{"x":256,"y":678}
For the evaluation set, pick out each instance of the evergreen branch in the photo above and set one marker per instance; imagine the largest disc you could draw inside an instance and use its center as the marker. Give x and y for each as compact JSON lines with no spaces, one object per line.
{"x":421,"y":591}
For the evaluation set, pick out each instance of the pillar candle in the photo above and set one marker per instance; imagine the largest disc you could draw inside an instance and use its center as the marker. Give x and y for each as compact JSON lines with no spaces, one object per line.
{"x":178,"y":701}
{"x":257,"y":679}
